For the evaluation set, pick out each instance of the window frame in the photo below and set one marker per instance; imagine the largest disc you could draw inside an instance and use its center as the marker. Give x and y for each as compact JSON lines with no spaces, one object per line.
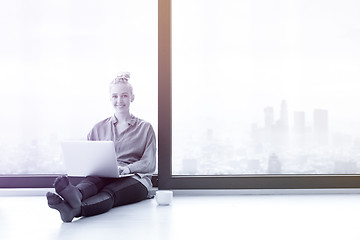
{"x":256,"y":181}
{"x":164,"y":179}
{"x":41,"y":180}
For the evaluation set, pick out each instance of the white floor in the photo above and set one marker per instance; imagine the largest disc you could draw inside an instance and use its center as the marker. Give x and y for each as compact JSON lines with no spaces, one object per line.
{"x":192,"y":216}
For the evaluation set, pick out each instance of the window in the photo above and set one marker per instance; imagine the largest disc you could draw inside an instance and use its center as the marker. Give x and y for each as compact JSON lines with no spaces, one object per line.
{"x":57,"y":59}
{"x":260,"y":94}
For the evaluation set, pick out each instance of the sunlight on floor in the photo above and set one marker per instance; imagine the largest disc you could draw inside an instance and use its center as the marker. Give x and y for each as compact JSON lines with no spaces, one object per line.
{"x":192,"y":217}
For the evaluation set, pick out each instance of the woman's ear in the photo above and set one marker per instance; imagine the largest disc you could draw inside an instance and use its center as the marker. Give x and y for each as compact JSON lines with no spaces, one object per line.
{"x":132,"y":97}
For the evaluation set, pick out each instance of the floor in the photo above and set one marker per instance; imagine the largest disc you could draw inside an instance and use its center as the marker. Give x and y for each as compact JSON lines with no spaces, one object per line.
{"x":192,"y":216}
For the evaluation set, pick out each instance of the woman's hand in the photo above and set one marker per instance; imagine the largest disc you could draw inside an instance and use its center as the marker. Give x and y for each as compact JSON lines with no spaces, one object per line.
{"x":123,"y":170}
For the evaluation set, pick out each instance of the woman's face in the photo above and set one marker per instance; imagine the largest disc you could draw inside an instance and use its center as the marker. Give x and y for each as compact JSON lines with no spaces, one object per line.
{"x":121,"y":97}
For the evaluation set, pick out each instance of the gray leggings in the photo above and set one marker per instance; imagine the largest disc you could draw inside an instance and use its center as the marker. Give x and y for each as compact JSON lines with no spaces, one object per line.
{"x":99,"y":195}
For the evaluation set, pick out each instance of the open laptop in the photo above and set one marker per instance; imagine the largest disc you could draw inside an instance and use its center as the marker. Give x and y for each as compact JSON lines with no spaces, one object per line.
{"x":91,"y":158}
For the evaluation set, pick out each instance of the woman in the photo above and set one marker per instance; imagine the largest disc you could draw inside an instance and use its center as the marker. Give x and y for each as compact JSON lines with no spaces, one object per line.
{"x":135,"y":147}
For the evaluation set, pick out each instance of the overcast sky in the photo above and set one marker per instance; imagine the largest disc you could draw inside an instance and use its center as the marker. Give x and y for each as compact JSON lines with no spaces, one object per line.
{"x":58,"y":57}
{"x":234,"y":58}
{"x":231,"y":59}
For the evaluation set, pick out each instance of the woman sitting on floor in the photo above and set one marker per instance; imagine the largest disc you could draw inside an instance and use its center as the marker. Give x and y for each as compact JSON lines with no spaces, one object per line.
{"x":135,"y":147}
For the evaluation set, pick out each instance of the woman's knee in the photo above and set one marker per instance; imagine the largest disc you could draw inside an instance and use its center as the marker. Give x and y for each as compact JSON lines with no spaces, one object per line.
{"x":90,"y":186}
{"x":130,"y":194}
{"x":97,"y":204}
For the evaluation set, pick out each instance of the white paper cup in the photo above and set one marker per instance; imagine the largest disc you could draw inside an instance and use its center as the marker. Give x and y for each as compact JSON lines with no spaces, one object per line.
{"x":164,"y":197}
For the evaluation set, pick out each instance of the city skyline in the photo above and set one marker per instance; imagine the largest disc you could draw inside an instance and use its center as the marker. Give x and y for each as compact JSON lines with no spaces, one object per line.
{"x":280,"y":144}
{"x":279,"y":124}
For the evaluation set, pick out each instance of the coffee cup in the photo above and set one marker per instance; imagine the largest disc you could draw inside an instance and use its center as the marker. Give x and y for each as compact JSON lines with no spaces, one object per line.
{"x":164,"y":197}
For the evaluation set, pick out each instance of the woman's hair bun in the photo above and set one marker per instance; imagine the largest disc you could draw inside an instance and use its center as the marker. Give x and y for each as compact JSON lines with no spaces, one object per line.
{"x":122,"y":77}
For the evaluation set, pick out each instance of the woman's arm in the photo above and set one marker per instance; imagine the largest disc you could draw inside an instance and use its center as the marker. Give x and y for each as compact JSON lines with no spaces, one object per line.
{"x":147,"y":163}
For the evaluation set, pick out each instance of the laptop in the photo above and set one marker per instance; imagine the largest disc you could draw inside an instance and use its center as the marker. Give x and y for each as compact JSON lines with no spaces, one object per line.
{"x":91,"y":158}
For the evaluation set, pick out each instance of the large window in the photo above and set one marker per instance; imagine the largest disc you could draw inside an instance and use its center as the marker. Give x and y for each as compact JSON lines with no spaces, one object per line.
{"x":57,"y":59}
{"x":252,"y":94}
{"x":262,"y":93}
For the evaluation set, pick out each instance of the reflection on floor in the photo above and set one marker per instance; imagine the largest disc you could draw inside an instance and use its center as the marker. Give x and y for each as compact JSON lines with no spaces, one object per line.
{"x":192,"y":217}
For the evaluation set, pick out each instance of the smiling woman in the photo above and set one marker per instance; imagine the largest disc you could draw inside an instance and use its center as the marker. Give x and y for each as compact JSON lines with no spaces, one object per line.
{"x":135,"y":147}
{"x":56,"y":59}
{"x":121,"y":95}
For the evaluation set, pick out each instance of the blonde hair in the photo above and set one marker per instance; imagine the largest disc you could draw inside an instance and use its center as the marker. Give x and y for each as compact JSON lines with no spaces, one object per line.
{"x":122,"y":78}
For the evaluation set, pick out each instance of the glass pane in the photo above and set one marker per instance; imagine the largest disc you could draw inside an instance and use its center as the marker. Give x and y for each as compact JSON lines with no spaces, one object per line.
{"x":57,"y":59}
{"x":265,"y":87}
